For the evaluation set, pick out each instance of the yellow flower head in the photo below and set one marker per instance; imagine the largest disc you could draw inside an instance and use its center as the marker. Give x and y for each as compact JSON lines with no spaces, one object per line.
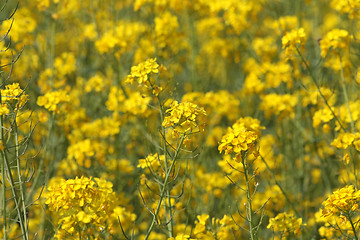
{"x":292,"y":40}
{"x":286,"y":223}
{"x":52,"y":100}
{"x":82,"y":205}
{"x":342,"y":201}
{"x":240,"y":137}
{"x":12,"y":93}
{"x":141,"y":72}
{"x":336,"y":40}
{"x":184,"y":117}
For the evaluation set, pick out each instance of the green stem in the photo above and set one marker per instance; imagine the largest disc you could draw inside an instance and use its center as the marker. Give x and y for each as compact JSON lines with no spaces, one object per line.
{"x":318,"y":87}
{"x":278,"y":184}
{"x":21,"y":187}
{"x":346,"y":96}
{"x":353,"y":227}
{"x":249,"y":211}
{"x":164,"y":188}
{"x":168,"y":203}
{"x":11,"y":179}
{"x":3,"y":189}
{"x":42,"y":160}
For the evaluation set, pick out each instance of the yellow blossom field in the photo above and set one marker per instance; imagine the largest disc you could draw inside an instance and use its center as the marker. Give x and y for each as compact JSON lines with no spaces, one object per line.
{"x":180,"y":119}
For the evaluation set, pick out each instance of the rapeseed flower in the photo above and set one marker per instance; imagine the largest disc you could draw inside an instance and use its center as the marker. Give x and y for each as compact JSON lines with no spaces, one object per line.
{"x":52,"y":100}
{"x":337,"y":40}
{"x":344,"y":140}
{"x":295,"y":39}
{"x":13,"y":93}
{"x":141,"y":72}
{"x":239,"y":139}
{"x":184,"y":117}
{"x":343,"y":201}
{"x":286,"y":223}
{"x":83,"y":206}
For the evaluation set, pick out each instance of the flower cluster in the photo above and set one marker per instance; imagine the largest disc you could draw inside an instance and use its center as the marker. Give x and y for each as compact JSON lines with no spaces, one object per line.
{"x":83,"y":206}
{"x":84,"y":151}
{"x":12,"y":93}
{"x":240,"y":137}
{"x":350,"y":7}
{"x":184,"y":117}
{"x":286,"y":223}
{"x":52,"y":100}
{"x":135,"y":103}
{"x":152,"y":161}
{"x":181,"y":237}
{"x":141,"y":72}
{"x":336,"y":40}
{"x":295,"y":39}
{"x":225,"y":228}
{"x":168,"y":39}
{"x":342,"y":202}
{"x":344,"y":140}
{"x":281,"y":105}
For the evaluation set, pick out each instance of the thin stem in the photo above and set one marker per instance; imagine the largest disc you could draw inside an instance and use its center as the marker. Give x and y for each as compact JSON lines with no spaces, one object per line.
{"x":164,"y":188}
{"x":318,"y":87}
{"x":346,"y":95}
{"x":249,"y":205}
{"x":11,"y":179}
{"x":42,"y":160}
{"x":353,"y":227}
{"x":21,"y":187}
{"x":3,"y":179}
{"x":278,"y":184}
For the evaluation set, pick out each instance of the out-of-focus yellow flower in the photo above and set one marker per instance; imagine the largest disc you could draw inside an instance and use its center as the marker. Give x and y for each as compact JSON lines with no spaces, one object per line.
{"x":4,"y":109}
{"x":337,"y":40}
{"x":141,"y":72}
{"x":346,"y":158}
{"x":52,"y":100}
{"x":295,"y":39}
{"x":350,"y":7}
{"x":344,"y":140}
{"x":13,"y":93}
{"x":286,"y":223}
{"x":152,"y":160}
{"x":281,"y":105}
{"x":181,"y":237}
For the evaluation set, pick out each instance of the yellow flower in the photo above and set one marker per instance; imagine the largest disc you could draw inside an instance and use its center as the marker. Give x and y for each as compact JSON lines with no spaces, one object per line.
{"x":344,"y":140}
{"x":341,"y":202}
{"x":350,"y":7}
{"x":203,"y":218}
{"x":292,"y":40}
{"x":336,"y":40}
{"x":141,"y":72}
{"x":282,"y":105}
{"x":52,"y":100}
{"x":181,"y":237}
{"x":83,"y":205}
{"x":240,"y":137}
{"x":346,"y":158}
{"x":184,"y":117}
{"x":12,"y":93}
{"x":152,"y":160}
{"x":4,"y":109}
{"x":286,"y":223}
